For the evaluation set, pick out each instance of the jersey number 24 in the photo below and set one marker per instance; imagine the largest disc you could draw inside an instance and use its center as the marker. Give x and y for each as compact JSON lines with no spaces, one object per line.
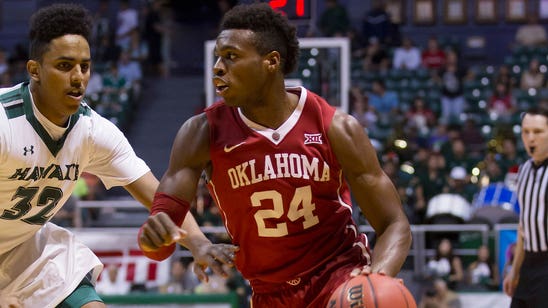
{"x":300,"y":206}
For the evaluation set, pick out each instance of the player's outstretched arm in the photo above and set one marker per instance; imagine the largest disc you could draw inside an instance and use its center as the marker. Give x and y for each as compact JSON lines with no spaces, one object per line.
{"x":143,"y":189}
{"x":374,"y":191}
{"x":169,"y":221}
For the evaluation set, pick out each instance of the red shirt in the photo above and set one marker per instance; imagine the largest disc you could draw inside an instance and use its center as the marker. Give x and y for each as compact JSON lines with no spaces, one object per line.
{"x":433,"y":59}
{"x":281,"y":192}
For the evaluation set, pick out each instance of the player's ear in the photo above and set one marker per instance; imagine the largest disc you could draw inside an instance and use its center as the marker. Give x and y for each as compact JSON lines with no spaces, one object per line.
{"x":33,"y":68}
{"x":272,"y":61}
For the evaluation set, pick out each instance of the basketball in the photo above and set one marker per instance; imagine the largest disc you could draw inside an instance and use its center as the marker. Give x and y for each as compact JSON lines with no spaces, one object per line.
{"x":373,"y":290}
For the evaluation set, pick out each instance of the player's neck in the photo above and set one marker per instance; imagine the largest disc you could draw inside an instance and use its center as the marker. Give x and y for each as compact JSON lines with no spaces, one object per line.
{"x":273,"y":113}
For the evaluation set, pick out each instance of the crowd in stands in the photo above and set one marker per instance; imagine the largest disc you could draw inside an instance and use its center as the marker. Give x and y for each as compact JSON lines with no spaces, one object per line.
{"x":181,"y":281}
{"x":442,"y":129}
{"x":447,"y":134}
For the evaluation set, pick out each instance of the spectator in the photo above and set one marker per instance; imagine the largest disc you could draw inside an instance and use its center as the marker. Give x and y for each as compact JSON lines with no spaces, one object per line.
{"x":482,"y":274}
{"x":503,"y":75}
{"x":334,"y":19}
{"x":472,"y":137}
{"x":438,"y":136}
{"x":107,"y":51}
{"x":5,"y":80}
{"x":508,"y":156}
{"x":532,"y":77}
{"x":112,"y":282}
{"x":94,"y":91}
{"x":439,"y":296}
{"x":152,"y":34}
{"x":532,"y":33}
{"x":18,"y":63}
{"x":458,"y":155}
{"x":493,"y":171}
{"x":101,"y":29}
{"x":358,"y":44}
{"x":421,"y":116}
{"x":130,"y":71}
{"x":459,"y":184}
{"x":385,"y":102}
{"x":362,"y":110}
{"x":169,"y":25}
{"x":430,"y":181}
{"x":113,"y":83}
{"x":215,"y":285}
{"x":501,"y":104}
{"x":378,"y":24}
{"x":127,"y":26}
{"x":376,"y":57}
{"x":452,"y":93}
{"x":445,"y":265}
{"x":181,"y":280}
{"x":433,"y":58}
{"x":407,"y":56}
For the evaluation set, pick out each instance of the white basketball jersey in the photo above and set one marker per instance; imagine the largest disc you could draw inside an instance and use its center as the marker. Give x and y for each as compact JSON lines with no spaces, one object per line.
{"x":38,"y":175}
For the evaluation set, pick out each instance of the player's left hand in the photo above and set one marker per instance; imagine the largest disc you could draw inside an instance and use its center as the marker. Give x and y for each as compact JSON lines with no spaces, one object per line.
{"x":366,"y":270}
{"x":213,"y":256}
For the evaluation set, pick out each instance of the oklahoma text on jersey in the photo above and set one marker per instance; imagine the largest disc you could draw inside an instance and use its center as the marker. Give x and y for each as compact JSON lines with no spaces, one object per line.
{"x":281,"y":165}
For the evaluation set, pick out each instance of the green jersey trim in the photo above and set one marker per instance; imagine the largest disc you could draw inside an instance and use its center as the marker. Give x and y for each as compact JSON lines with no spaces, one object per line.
{"x":12,"y":103}
{"x":18,"y":102}
{"x":53,"y":145}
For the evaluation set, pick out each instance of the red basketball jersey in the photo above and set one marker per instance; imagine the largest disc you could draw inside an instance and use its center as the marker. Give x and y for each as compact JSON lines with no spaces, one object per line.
{"x":281,"y":192}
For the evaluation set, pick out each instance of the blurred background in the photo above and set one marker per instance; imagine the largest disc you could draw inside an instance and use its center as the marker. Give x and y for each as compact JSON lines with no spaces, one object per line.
{"x":439,"y":86}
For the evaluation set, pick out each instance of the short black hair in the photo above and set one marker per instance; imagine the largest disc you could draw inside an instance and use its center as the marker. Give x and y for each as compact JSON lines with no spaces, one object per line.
{"x":537,"y":110}
{"x":54,"y":21}
{"x":272,"y":31}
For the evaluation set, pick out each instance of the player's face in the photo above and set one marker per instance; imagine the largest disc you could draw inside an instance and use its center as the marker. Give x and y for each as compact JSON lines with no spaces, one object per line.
{"x":239,"y":74}
{"x":534,"y":134}
{"x":61,"y":77}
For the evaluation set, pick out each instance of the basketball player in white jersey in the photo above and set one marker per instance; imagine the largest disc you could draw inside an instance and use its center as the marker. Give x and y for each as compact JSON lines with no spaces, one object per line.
{"x":48,"y":137}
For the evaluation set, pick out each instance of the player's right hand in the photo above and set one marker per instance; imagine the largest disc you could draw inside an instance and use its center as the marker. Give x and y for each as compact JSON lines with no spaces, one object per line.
{"x":159,"y":230}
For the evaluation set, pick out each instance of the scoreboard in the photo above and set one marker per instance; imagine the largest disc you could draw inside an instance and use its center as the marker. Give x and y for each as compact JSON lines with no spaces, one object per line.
{"x":296,"y":10}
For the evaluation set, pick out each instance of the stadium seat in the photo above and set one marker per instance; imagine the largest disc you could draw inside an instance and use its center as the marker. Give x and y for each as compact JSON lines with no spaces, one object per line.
{"x":448,"y":208}
{"x":496,"y":203}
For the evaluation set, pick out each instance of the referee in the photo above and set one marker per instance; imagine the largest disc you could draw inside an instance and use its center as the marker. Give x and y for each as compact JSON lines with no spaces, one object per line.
{"x":527,"y":281}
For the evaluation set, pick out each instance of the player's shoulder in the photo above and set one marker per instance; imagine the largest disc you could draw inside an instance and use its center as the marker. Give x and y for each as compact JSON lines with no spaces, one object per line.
{"x":86,"y":112}
{"x":16,"y":89}
{"x":311,"y":98}
{"x":197,"y":123}
{"x":95,"y":123}
{"x":216,"y":107}
{"x":215,"y":114}
{"x":11,"y":100}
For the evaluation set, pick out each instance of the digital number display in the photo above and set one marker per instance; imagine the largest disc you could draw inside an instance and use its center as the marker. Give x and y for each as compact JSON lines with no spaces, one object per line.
{"x":293,"y":9}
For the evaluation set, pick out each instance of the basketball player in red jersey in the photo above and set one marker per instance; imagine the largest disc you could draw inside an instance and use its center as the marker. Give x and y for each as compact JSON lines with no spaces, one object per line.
{"x":277,"y":162}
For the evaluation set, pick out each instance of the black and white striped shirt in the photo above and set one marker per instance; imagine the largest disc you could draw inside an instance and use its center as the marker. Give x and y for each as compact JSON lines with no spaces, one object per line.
{"x":533,"y":200}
